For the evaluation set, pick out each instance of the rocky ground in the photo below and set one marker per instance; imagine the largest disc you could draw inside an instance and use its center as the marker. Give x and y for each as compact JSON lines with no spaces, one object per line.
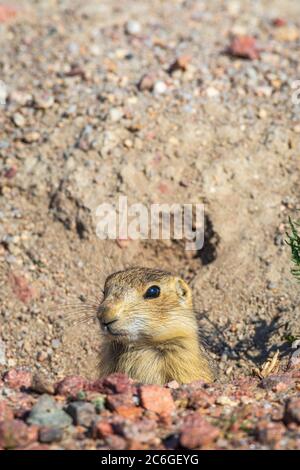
{"x":116,"y":413}
{"x":163,"y":101}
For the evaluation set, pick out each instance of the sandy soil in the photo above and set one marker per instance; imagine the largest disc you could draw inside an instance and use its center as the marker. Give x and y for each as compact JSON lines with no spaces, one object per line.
{"x":77,"y":131}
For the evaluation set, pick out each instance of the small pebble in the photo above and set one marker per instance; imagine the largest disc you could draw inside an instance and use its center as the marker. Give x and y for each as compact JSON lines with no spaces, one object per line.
{"x":3,"y":93}
{"x":115,"y":114}
{"x":41,"y":384}
{"x":133,"y":27}
{"x":212,"y":92}
{"x":18,"y":378}
{"x":146,"y":83}
{"x":44,"y":101}
{"x":20,"y":97}
{"x":2,"y":353}
{"x":223,"y":400}
{"x":31,"y":137}
{"x":55,"y":343}
{"x":159,"y":88}
{"x":19,"y":120}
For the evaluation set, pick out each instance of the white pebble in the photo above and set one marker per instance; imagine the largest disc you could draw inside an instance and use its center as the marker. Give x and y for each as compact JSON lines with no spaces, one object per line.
{"x":19,"y":120}
{"x":133,"y":27}
{"x":2,"y":353}
{"x":3,"y":93}
{"x":159,"y":88}
{"x":116,"y":114}
{"x":55,"y":343}
{"x":95,"y":50}
{"x":212,"y":92}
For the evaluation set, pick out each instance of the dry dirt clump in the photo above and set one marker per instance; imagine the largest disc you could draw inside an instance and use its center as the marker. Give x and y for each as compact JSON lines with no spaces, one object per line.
{"x":175,"y":102}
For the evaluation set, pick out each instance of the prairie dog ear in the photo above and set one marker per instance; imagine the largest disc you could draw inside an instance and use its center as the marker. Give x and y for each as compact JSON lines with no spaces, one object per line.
{"x":182,"y":289}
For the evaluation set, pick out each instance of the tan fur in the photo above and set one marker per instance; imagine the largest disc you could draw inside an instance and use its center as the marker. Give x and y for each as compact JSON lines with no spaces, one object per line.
{"x":152,"y":340}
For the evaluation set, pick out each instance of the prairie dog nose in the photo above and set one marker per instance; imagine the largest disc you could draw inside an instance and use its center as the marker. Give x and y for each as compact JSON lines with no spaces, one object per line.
{"x":102,"y":310}
{"x":106,"y":314}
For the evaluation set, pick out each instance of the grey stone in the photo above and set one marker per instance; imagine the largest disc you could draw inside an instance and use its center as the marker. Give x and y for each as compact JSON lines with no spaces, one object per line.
{"x":83,"y":413}
{"x":46,"y":412}
{"x":48,"y":435}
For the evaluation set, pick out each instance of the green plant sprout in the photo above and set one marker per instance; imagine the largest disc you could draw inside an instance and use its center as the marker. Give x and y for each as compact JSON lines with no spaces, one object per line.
{"x":294,"y":242}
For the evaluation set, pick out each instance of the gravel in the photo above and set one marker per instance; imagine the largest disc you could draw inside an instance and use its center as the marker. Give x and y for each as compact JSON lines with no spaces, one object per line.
{"x":242,"y":414}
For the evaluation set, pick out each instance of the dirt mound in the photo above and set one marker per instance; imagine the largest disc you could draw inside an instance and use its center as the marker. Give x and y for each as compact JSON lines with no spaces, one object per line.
{"x":165,"y":102}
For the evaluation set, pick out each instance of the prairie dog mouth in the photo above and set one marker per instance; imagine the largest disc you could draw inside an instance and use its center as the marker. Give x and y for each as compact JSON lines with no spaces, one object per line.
{"x":109,"y":330}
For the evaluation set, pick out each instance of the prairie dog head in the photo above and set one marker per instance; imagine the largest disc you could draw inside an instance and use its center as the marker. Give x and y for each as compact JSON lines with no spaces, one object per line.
{"x":146,"y":305}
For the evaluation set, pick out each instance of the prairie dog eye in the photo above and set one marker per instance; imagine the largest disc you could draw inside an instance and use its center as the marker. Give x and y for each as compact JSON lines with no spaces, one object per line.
{"x":152,"y":292}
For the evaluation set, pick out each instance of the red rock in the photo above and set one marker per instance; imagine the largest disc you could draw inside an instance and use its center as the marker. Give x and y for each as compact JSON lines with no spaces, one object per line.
{"x":244,"y":47}
{"x":18,"y":378}
{"x":21,"y":288}
{"x":11,"y":172}
{"x":6,"y":413}
{"x":150,"y":135}
{"x":269,"y":433}
{"x":292,"y":410}
{"x":279,"y":22}
{"x":163,"y":188}
{"x":15,"y":433}
{"x":197,"y":432}
{"x":22,"y":404}
{"x":7,"y":12}
{"x":157,"y":399}
{"x":119,"y":401}
{"x":132,"y":412}
{"x":181,"y":63}
{"x":71,"y":386}
{"x":281,"y":387}
{"x":124,"y":405}
{"x":114,"y":383}
{"x":102,"y":429}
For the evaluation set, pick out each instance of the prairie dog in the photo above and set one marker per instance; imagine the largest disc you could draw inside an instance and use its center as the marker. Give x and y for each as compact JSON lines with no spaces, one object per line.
{"x":150,"y":330}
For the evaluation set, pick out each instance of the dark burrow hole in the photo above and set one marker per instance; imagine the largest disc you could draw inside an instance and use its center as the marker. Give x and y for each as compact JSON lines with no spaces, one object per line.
{"x":208,"y":253}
